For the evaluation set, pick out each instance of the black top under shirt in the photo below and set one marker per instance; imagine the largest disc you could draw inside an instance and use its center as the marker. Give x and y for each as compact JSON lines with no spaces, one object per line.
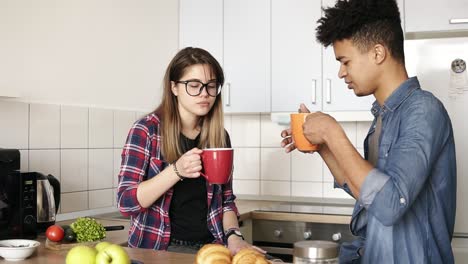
{"x":189,"y":205}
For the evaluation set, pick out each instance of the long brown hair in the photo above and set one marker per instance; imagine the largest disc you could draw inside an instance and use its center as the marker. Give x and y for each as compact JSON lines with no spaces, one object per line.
{"x":212,"y":125}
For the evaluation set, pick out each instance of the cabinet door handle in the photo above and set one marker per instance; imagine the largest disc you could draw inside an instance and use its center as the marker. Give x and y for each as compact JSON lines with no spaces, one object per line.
{"x":328,"y":92}
{"x":227,"y":94}
{"x":314,"y":91}
{"x":458,"y":21}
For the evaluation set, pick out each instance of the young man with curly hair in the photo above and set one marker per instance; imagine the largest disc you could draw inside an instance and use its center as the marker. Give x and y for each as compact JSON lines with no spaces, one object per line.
{"x":405,"y":188}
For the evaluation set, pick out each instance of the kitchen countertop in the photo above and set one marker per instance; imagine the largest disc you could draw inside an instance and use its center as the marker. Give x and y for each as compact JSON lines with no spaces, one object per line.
{"x":248,"y":209}
{"x":47,"y":256}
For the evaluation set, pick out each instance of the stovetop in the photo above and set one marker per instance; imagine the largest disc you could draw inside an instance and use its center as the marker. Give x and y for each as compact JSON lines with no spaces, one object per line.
{"x":307,"y":208}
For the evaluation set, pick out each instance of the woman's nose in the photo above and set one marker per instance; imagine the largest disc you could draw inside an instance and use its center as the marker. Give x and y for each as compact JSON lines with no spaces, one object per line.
{"x":204,"y":90}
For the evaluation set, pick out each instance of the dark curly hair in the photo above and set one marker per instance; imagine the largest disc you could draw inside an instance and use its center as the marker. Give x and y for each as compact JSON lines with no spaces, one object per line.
{"x":366,"y":23}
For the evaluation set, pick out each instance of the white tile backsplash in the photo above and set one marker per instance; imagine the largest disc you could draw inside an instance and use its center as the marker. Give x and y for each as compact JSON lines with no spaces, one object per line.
{"x":74,"y":202}
{"x":247,"y":187}
{"x":24,"y":156}
{"x":45,"y":161}
{"x":101,"y":169}
{"x":327,"y":175}
{"x":306,"y":189}
{"x":245,"y":131}
{"x":82,"y":146}
{"x":74,"y":127}
{"x":101,"y":128}
{"x":123,"y":121}
{"x":117,"y":161}
{"x":44,"y":126}
{"x":100,"y":198}
{"x":270,"y":132}
{"x":14,"y":118}
{"x":228,"y":124}
{"x":350,"y":130}
{"x":276,"y":188}
{"x":246,"y":163}
{"x":275,"y":164}
{"x":114,"y":197}
{"x":330,"y":192}
{"x":361,"y":131}
{"x":282,"y":174}
{"x":74,"y":170}
{"x":306,"y":167}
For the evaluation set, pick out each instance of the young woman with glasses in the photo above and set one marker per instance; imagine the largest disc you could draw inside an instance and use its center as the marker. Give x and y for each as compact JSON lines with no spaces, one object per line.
{"x":171,"y":206}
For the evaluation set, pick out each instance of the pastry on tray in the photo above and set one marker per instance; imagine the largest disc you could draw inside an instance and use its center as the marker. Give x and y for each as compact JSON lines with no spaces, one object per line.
{"x":213,"y":254}
{"x":219,"y":254}
{"x":249,"y":256}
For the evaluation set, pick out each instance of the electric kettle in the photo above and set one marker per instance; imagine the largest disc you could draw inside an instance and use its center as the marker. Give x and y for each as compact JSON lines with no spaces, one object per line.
{"x":48,"y":200}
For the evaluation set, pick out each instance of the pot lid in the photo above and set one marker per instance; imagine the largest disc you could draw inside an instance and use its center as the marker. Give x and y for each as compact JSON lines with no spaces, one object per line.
{"x":316,"y":249}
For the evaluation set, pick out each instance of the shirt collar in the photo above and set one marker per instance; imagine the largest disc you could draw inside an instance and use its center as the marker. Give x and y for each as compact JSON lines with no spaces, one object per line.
{"x":397,"y":97}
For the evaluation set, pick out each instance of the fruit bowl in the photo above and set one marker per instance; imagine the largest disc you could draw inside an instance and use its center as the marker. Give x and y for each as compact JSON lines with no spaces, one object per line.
{"x":17,"y":249}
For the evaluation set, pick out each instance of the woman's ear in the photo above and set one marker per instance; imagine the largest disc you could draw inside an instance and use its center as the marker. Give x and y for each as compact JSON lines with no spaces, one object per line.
{"x":174,"y":89}
{"x":380,"y":53}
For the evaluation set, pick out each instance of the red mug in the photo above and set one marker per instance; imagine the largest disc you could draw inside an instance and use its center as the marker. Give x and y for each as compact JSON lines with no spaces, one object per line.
{"x":217,"y":164}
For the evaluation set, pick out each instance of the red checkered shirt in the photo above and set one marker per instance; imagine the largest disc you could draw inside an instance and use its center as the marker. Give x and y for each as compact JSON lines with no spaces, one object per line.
{"x":142,"y":160}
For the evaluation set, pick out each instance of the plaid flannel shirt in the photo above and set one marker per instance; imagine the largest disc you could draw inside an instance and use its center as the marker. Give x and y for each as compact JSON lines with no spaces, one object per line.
{"x":141,"y":160}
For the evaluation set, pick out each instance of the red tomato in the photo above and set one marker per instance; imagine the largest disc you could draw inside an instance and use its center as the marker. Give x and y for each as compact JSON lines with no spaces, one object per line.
{"x":55,"y":233}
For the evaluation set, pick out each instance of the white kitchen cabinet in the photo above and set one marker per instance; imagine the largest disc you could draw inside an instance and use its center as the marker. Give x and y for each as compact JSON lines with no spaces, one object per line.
{"x":237,"y":33}
{"x":271,"y":59}
{"x":336,"y":95}
{"x":247,"y":48}
{"x":436,"y":15}
{"x":201,"y":25}
{"x":296,"y":55}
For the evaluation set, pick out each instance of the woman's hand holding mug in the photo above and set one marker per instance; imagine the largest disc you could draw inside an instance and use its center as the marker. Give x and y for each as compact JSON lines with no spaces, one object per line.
{"x":189,"y":165}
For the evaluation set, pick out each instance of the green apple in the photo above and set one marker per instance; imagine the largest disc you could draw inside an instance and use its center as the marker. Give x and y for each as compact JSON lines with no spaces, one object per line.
{"x":113,"y":254}
{"x":80,"y":255}
{"x":101,"y":245}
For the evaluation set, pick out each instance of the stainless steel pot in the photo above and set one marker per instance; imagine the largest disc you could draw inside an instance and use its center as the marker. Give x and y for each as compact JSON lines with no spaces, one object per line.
{"x":315,"y":251}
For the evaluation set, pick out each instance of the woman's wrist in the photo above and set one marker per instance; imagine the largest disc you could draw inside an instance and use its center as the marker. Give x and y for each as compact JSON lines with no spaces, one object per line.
{"x":233,"y":232}
{"x":233,"y":239}
{"x":176,"y":171}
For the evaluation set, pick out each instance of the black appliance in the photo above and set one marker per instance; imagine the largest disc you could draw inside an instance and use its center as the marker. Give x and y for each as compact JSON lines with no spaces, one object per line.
{"x":17,"y":198}
{"x":28,"y":200}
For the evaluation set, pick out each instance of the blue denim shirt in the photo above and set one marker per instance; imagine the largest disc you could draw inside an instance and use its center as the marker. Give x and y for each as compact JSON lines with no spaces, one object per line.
{"x":406,"y":210}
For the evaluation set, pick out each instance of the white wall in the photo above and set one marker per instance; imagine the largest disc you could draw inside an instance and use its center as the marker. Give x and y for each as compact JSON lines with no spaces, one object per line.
{"x":103,"y":53}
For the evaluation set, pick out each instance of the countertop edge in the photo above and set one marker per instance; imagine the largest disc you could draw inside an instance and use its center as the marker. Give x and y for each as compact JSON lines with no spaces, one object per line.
{"x":299,"y":199}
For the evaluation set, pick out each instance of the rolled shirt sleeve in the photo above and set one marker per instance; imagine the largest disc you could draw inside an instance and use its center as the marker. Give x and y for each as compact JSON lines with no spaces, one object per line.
{"x":136,"y":157}
{"x":228,"y":199}
{"x":373,"y":183}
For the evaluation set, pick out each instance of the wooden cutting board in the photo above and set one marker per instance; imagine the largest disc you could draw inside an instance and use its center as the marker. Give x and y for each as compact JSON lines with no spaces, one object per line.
{"x":66,"y":246}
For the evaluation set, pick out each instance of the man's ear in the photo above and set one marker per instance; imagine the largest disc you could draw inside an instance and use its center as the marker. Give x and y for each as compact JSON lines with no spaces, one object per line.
{"x":380,"y":53}
{"x":174,"y":88}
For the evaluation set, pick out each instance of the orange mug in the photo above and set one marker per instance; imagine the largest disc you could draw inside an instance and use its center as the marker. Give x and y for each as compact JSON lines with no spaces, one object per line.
{"x":217,"y":164}
{"x":300,"y":141}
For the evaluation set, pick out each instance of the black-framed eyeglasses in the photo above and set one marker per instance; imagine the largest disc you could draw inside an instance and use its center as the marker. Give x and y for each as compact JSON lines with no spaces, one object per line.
{"x":194,"y":87}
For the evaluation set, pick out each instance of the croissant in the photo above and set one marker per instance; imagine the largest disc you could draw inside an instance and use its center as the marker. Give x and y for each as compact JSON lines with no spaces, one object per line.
{"x":249,"y":256}
{"x":213,"y":254}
